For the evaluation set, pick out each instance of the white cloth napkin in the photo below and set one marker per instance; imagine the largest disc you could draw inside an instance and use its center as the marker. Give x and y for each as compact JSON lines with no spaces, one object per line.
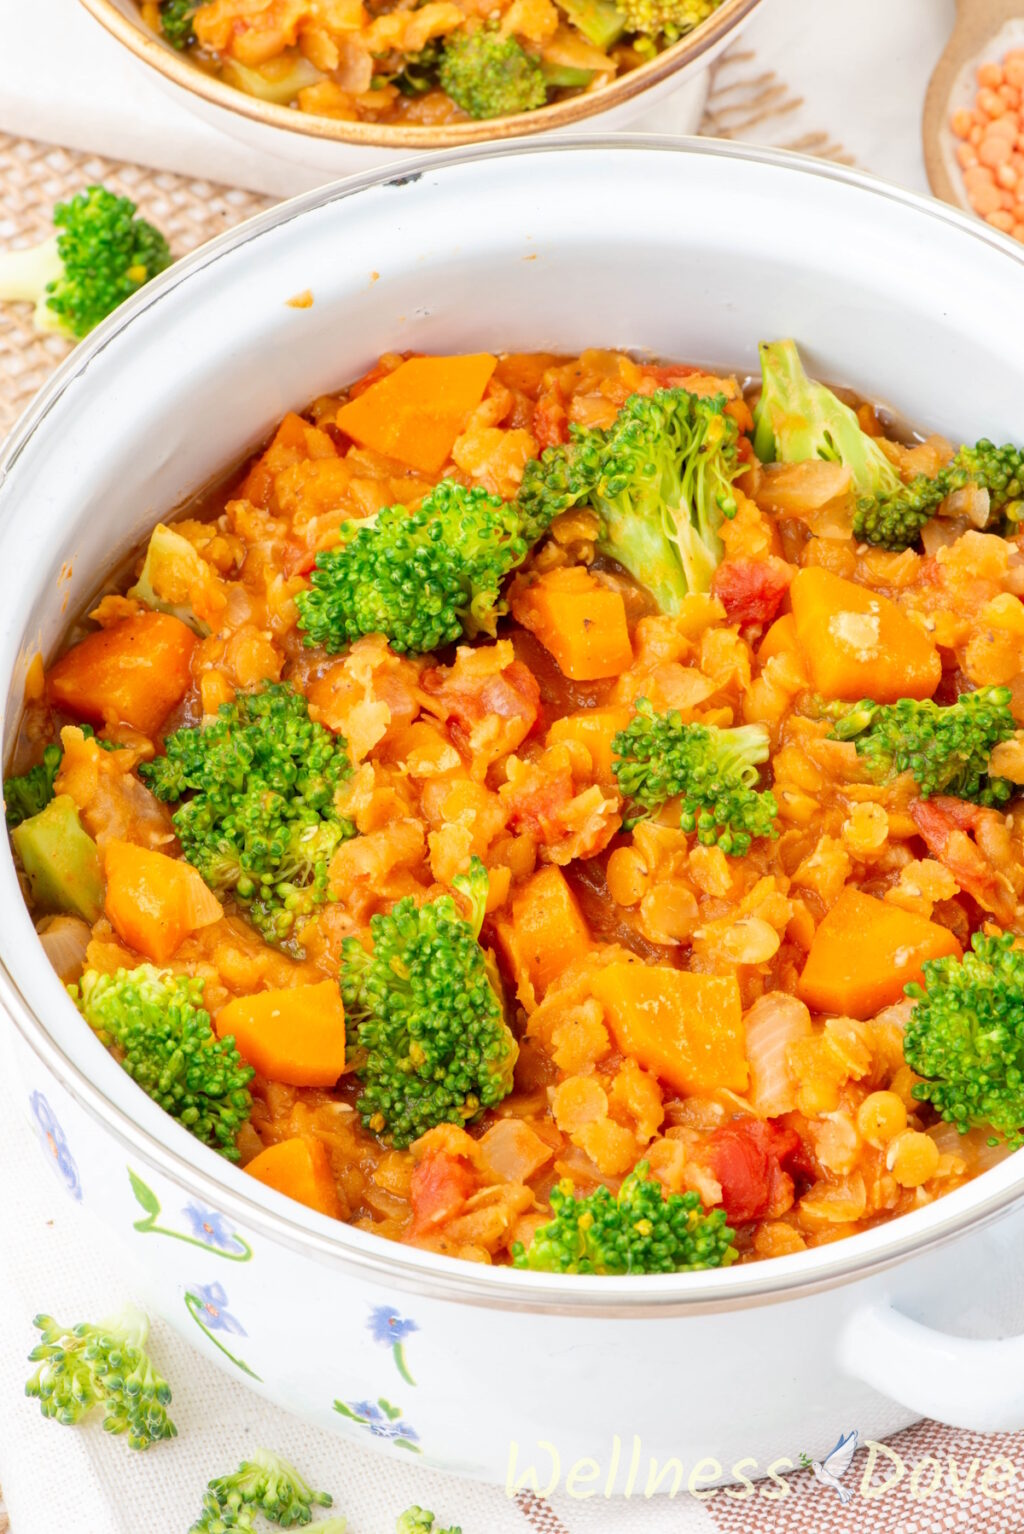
{"x":854,"y":74}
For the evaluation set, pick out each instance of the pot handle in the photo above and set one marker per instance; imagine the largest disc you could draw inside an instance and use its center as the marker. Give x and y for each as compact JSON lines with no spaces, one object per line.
{"x":964,"y":1382}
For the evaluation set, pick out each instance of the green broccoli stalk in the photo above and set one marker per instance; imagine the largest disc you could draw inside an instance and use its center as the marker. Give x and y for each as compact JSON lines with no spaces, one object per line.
{"x":641,"y":1230}
{"x":176,"y":17}
{"x":260,"y":820}
{"x":601,"y":21}
{"x":712,"y":771}
{"x":666,"y":19}
{"x":426,"y":1026}
{"x":156,"y":1024}
{"x":421,"y":578}
{"x":660,"y":479}
{"x":265,"y":1484}
{"x":100,"y":255}
{"x":965,"y":1036}
{"x":489,"y":75}
{"x":416,"y":1520}
{"x":946,"y":749}
{"x":894,"y":518}
{"x":108,"y":1366}
{"x":27,"y":794}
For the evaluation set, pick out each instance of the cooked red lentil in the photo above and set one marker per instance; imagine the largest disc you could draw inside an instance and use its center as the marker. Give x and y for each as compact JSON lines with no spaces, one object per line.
{"x":733,"y":1015}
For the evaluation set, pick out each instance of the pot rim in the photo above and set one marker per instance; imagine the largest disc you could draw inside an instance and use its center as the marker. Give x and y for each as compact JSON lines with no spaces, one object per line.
{"x":134,"y":35}
{"x":199,"y":1169}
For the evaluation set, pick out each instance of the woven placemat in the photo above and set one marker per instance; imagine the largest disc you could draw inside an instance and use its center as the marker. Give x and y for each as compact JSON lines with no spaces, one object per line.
{"x":35,"y":176}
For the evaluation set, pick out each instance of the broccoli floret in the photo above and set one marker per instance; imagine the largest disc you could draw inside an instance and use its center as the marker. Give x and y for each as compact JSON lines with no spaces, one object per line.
{"x":489,"y":75}
{"x":965,"y":1036}
{"x":426,"y":1026}
{"x":176,"y":17}
{"x":105,"y":1365}
{"x":946,"y":749}
{"x":666,"y":19}
{"x":894,"y":518}
{"x":712,"y":771}
{"x":26,"y":795}
{"x":261,"y":820}
{"x":265,"y":1484}
{"x":422,"y":578}
{"x":660,"y":479}
{"x":416,"y":1520}
{"x":418,"y":73}
{"x":642,"y":1230}
{"x":100,"y":255}
{"x":157,"y":1026}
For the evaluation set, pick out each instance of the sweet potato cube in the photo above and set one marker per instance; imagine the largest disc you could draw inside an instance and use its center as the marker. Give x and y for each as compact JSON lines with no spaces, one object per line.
{"x":154,"y":902}
{"x":594,"y":728}
{"x":686,"y":1029}
{"x":579,"y":620}
{"x":134,"y":672}
{"x":548,"y":929}
{"x":296,"y":1035}
{"x":300,"y":1169}
{"x":415,"y":413}
{"x":857,"y":643}
{"x":864,"y":953}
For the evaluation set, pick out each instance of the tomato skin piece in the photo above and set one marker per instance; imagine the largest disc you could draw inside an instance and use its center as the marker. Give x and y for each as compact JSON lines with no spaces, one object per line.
{"x":440,"y":1186}
{"x":550,"y":420}
{"x":751,"y":590}
{"x":746,"y":1158}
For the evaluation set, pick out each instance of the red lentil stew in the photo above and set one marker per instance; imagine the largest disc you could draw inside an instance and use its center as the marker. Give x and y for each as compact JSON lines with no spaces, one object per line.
{"x":518,"y":801}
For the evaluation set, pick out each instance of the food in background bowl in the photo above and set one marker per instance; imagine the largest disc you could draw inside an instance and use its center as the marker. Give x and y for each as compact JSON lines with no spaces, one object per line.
{"x":539,"y":810}
{"x":439,"y":63}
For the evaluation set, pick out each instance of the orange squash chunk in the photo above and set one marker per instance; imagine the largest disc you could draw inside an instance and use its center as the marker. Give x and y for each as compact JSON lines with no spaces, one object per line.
{"x":594,"y":728}
{"x":780,"y":638}
{"x":154,"y":902}
{"x":296,"y":1035}
{"x":300,"y":1169}
{"x":548,"y":929}
{"x":581,"y":622}
{"x":865,"y":952}
{"x":857,"y":643}
{"x":134,"y":673}
{"x":686,"y":1029}
{"x":415,"y":413}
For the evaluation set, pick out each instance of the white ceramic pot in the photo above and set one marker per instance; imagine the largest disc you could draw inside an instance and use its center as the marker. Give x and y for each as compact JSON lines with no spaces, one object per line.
{"x":688,"y":250}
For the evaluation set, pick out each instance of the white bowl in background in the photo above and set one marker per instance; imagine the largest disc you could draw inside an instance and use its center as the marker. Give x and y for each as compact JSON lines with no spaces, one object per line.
{"x":688,"y":250}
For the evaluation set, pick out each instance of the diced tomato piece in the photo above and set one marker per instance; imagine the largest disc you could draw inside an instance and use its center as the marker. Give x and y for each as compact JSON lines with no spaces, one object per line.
{"x":947,"y":826}
{"x":440,"y":1187}
{"x":550,"y":419}
{"x":747,"y":1158}
{"x":751,"y":590}
{"x":670,"y":376}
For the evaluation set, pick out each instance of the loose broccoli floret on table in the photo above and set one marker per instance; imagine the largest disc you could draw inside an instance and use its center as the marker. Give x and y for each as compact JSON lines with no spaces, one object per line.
{"x":176,"y":18}
{"x":265,"y":1484}
{"x":965,"y":1036}
{"x":642,"y":1230}
{"x":945,"y":748}
{"x":426,"y":1027}
{"x":423,"y":578}
{"x":260,"y":781}
{"x":490,"y":75}
{"x":104,"y":1366}
{"x":712,"y":771}
{"x":156,"y":1023}
{"x":416,"y":1520}
{"x":100,"y":255}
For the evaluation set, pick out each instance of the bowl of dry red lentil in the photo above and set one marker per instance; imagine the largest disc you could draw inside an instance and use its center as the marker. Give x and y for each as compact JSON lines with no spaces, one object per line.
{"x":981,"y":149}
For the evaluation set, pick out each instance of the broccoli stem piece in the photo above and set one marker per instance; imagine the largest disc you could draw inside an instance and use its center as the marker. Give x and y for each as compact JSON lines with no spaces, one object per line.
{"x":426,"y":1026}
{"x":601,"y":22}
{"x":965,"y":1036}
{"x":416,"y":1520}
{"x":641,"y":1230}
{"x":946,"y":749}
{"x":102,"y":1366}
{"x":61,"y":861}
{"x":156,"y":1024}
{"x":489,"y":75}
{"x":712,"y":771}
{"x":266,"y":1484}
{"x":173,"y":577}
{"x":100,"y":255}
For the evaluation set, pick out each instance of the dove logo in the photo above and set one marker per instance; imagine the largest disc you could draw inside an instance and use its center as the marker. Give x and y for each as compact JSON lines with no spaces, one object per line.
{"x":834,"y":1466}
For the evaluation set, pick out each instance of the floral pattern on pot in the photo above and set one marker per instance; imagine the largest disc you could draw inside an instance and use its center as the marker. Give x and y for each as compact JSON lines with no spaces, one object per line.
{"x":207,"y":1305}
{"x":210,"y":1230}
{"x":389,"y":1328}
{"x":383,"y":1421}
{"x":53,"y":1140}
